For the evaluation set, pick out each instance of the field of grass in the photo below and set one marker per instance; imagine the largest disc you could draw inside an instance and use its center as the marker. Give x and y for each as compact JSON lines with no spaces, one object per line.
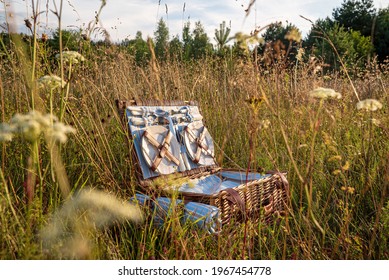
{"x":336,"y":156}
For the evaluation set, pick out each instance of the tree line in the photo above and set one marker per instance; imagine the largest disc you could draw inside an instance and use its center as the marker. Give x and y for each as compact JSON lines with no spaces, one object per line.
{"x":356,"y":32}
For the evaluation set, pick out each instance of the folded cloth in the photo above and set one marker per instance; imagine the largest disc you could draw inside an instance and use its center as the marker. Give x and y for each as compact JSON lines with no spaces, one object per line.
{"x":203,"y":216}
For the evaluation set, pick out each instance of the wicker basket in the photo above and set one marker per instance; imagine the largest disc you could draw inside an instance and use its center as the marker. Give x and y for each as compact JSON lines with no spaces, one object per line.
{"x":253,"y":196}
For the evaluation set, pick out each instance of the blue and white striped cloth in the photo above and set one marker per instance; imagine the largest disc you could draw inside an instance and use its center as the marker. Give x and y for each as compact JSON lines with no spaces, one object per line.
{"x":203,"y":216}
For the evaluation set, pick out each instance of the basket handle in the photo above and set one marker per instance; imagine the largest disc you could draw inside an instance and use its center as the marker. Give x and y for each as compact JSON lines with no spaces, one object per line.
{"x":235,"y":198}
{"x":284,"y":181}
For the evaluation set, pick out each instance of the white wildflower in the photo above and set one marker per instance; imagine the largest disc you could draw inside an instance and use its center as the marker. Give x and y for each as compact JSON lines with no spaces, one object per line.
{"x":29,"y":126}
{"x":71,"y":57}
{"x":376,"y":122}
{"x":324,"y":93}
{"x":300,"y":54}
{"x":6,"y":132}
{"x":369,"y":105}
{"x":33,"y":124}
{"x":317,"y":69}
{"x":265,"y":124}
{"x":57,"y":132}
{"x":51,"y":82}
{"x":294,"y":35}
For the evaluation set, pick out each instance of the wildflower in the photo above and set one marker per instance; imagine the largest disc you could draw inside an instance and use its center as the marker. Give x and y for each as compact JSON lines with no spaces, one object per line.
{"x":30,"y":125}
{"x":71,"y":57}
{"x":350,"y":190}
{"x":33,"y":124}
{"x":335,"y":158}
{"x":57,"y":132}
{"x":293,"y":35}
{"x":336,"y":172}
{"x":317,"y":69}
{"x":369,"y":105}
{"x":265,"y":124}
{"x":51,"y":82}
{"x":346,"y":166}
{"x":325,"y":93}
{"x":244,"y":41}
{"x":300,"y":54}
{"x":376,"y":122}
{"x":6,"y":132}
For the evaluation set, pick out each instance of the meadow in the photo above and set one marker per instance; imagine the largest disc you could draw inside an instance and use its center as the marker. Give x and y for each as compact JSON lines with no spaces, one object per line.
{"x":266,"y":117}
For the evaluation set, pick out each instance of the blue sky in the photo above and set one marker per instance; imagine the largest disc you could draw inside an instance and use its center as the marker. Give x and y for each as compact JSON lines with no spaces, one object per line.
{"x":123,"y":18}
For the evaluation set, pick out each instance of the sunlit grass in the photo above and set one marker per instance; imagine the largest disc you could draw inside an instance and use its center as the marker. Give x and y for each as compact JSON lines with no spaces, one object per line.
{"x":335,"y":151}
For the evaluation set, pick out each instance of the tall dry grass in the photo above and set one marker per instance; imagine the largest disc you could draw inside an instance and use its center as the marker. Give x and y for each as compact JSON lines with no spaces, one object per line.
{"x":336,"y":156}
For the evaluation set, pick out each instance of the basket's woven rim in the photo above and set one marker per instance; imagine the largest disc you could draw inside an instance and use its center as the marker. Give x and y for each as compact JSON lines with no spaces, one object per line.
{"x":242,"y":186}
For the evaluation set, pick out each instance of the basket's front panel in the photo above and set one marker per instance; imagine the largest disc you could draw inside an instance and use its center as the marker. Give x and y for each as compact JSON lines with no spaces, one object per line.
{"x":239,"y":195}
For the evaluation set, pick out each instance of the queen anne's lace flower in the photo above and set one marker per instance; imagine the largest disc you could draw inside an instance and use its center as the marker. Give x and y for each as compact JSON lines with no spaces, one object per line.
{"x":71,"y":57}
{"x":32,"y":125}
{"x":325,"y":93}
{"x":369,"y":105}
{"x":6,"y":132}
{"x":57,"y":132}
{"x":51,"y":82}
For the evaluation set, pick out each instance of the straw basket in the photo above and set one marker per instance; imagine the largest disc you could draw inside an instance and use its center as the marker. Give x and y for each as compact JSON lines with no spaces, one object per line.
{"x":169,"y":138}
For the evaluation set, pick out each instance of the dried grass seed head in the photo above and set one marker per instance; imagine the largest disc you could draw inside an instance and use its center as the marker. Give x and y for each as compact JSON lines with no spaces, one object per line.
{"x":80,"y":216}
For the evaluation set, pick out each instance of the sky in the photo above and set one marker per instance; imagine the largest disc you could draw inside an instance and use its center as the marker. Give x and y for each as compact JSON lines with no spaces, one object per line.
{"x":123,"y":18}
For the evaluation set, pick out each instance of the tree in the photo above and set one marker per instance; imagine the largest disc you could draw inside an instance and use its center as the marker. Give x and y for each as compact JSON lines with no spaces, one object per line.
{"x":161,"y":37}
{"x":71,"y":40}
{"x":381,"y":38}
{"x":280,"y":42}
{"x":200,"y":45}
{"x":356,"y":15}
{"x":175,"y":48}
{"x":353,"y":48}
{"x":196,"y":43}
{"x":316,"y":35}
{"x":222,"y":37}
{"x":187,"y":41}
{"x":138,"y":48}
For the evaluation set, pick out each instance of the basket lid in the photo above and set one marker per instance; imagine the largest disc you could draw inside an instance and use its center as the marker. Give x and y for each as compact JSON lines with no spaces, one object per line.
{"x":169,"y":139}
